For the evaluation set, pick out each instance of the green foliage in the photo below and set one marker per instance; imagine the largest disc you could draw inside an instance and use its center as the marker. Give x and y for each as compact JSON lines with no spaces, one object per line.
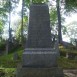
{"x":72,"y":29}
{"x":6,"y":7}
{"x":69,"y":49}
{"x":2,"y":45}
{"x":3,"y":10}
{"x":18,"y":31}
{"x":1,"y":6}
{"x":66,"y":63}
{"x":1,"y":29}
{"x":7,"y":72}
{"x":64,"y":30}
{"x":70,"y":5}
{"x":38,"y":1}
{"x":7,"y":60}
{"x":1,"y":26}
{"x":27,"y":2}
{"x":53,"y":16}
{"x":10,"y":72}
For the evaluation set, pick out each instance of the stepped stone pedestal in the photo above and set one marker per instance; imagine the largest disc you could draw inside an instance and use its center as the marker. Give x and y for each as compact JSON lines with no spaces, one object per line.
{"x":39,"y":58}
{"x":40,"y":72}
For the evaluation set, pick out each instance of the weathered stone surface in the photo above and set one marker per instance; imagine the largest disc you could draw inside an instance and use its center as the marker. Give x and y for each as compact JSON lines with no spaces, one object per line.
{"x":40,"y":57}
{"x":39,"y":33}
{"x":40,"y":72}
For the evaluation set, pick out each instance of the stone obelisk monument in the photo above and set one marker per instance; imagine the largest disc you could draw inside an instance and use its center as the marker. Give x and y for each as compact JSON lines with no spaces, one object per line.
{"x":39,"y":58}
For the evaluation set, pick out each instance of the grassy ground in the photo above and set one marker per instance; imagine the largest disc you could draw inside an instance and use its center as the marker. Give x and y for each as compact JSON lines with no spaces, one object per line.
{"x":7,"y":61}
{"x":67,"y":63}
{"x":7,"y":72}
{"x":64,"y":62}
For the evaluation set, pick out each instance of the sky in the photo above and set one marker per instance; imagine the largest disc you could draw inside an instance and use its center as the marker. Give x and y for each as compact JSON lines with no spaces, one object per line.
{"x":18,"y":9}
{"x":15,"y":17}
{"x":71,"y":18}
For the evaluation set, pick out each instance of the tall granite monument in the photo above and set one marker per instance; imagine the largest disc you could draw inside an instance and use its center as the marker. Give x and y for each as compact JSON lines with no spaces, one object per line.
{"x":39,"y":58}
{"x":39,"y":33}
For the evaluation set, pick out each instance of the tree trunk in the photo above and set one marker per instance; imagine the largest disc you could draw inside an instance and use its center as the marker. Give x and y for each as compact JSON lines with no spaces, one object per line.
{"x":10,"y":36}
{"x":8,"y":43}
{"x":59,"y":22}
{"x":22,"y":25}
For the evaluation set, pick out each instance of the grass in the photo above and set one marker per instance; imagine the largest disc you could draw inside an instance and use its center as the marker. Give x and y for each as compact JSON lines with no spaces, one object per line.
{"x":7,"y":72}
{"x":67,"y":63}
{"x":7,"y":60}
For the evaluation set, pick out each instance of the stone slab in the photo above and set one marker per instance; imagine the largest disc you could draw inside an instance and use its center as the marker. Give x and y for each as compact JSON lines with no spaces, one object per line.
{"x":40,"y":72}
{"x":40,"y":57}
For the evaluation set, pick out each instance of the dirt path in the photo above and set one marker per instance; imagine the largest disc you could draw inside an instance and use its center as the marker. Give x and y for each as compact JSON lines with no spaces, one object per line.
{"x":70,"y":73}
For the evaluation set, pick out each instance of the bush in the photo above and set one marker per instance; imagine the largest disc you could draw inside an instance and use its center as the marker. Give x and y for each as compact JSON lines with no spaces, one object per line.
{"x":7,"y":60}
{"x":7,"y":72}
{"x":2,"y":46}
{"x":2,"y":73}
{"x":66,"y":63}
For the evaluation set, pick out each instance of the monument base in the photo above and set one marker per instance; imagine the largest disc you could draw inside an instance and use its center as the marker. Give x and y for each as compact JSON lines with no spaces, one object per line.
{"x":40,"y":57}
{"x":40,"y":72}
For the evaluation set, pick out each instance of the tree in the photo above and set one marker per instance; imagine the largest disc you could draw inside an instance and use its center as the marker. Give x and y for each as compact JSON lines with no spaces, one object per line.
{"x":53,"y":21}
{"x":72,"y":31}
{"x":59,"y":22}
{"x":22,"y":25}
{"x":2,"y":17}
{"x":1,"y":29}
{"x":25,"y":29}
{"x":27,"y":2}
{"x":6,"y":6}
{"x":71,"y":5}
{"x":53,"y":16}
